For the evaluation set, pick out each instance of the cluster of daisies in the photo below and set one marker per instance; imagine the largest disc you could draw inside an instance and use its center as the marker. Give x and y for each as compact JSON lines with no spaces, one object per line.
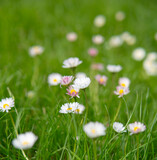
{"x":25,"y":140}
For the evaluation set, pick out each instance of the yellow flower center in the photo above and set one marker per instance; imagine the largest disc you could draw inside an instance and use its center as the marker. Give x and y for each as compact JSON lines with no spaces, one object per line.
{"x":77,"y":110}
{"x":68,"y":109}
{"x":5,"y":105}
{"x":73,"y":91}
{"x":121,"y":91}
{"x":123,"y":85}
{"x":25,"y":143}
{"x":93,"y":131}
{"x":136,"y":128}
{"x":36,"y":49}
{"x":55,"y":80}
{"x":101,"y":80}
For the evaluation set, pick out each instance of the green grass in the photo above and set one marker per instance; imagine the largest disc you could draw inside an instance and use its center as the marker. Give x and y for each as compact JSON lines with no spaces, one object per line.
{"x":24,"y":23}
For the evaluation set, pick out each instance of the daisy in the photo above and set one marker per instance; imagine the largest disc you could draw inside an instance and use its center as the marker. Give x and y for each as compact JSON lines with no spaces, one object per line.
{"x":66,"y":80}
{"x":94,"y":129}
{"x":121,"y":91}
{"x":71,"y":62}
{"x":118,"y":127}
{"x":115,"y":41}
{"x":25,"y":140}
{"x":73,"y":91}
{"x":6,"y":104}
{"x":102,"y":79}
{"x":128,"y":38}
{"x":124,"y":82}
{"x":74,"y":107}
{"x":114,"y":68}
{"x":99,"y":21}
{"x":54,"y":79}
{"x":72,"y":36}
{"x":35,"y":50}
{"x":81,"y":75}
{"x":150,"y":64}
{"x":97,"y":66}
{"x":92,"y":52}
{"x":120,"y":16}
{"x":98,"y":39}
{"x":136,"y":127}
{"x":79,"y":108}
{"x":138,"y":54}
{"x":82,"y":83}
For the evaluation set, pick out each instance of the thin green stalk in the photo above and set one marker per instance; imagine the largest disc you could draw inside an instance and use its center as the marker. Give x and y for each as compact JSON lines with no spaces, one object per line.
{"x":17,"y":135}
{"x":120,"y":103}
{"x":138,"y":143}
{"x":94,"y":149}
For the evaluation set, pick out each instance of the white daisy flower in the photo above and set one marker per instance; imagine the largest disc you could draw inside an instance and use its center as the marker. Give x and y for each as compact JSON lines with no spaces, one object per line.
{"x":99,"y":21}
{"x":54,"y":79}
{"x":115,"y":41}
{"x":74,"y":107}
{"x":98,"y":39}
{"x":120,"y":91}
{"x":124,"y":82}
{"x":138,"y":54}
{"x":82,"y":83}
{"x":79,"y":108}
{"x":81,"y":75}
{"x":25,"y":140}
{"x":35,"y":50}
{"x":6,"y":104}
{"x":120,"y":16}
{"x":118,"y":127}
{"x":150,"y":64}
{"x":72,"y":36}
{"x":136,"y":127}
{"x":94,"y":129}
{"x":128,"y":38}
{"x":71,"y":62}
{"x":114,"y":68}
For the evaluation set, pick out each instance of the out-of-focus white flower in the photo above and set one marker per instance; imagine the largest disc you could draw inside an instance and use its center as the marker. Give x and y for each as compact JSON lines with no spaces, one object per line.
{"x":81,"y":75}
{"x":98,"y":39}
{"x":30,"y":94}
{"x":115,"y":41}
{"x":73,"y":91}
{"x":99,"y":21}
{"x":74,"y":107}
{"x":150,"y":64}
{"x":6,"y":104}
{"x":128,"y":38}
{"x":120,"y":16}
{"x":155,"y":36}
{"x":66,"y":80}
{"x":35,"y":50}
{"x":92,"y":52}
{"x":54,"y":79}
{"x":94,"y":129}
{"x":82,"y":83}
{"x":118,"y":127}
{"x":102,"y":79}
{"x":120,"y":91}
{"x":136,"y":127}
{"x":97,"y":66}
{"x":72,"y":36}
{"x":25,"y":140}
{"x":124,"y":82}
{"x":138,"y":54}
{"x":71,"y":62}
{"x":114,"y":68}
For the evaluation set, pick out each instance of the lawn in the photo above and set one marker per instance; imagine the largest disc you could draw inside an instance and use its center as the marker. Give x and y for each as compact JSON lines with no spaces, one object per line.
{"x":25,"y":23}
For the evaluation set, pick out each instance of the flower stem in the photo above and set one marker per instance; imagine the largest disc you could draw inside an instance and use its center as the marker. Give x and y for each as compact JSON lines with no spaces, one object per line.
{"x":137,"y":147}
{"x":17,"y":135}
{"x":118,"y":110}
{"x":94,"y":149}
